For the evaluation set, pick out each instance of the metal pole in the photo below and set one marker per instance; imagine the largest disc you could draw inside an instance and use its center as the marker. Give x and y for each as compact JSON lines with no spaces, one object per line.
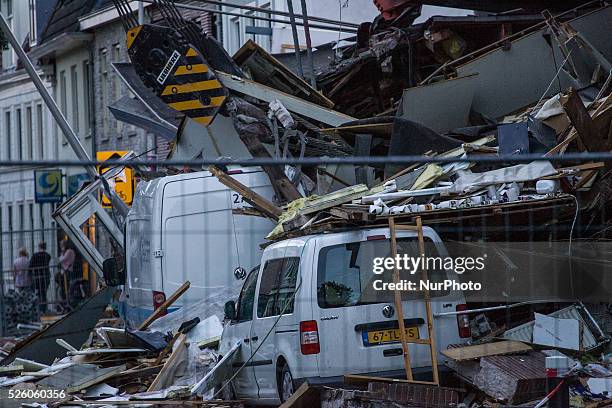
{"x":141,"y":13}
{"x":256,"y":17}
{"x":278,"y":13}
{"x":313,"y":80}
{"x":71,"y":137}
{"x":296,"y":41}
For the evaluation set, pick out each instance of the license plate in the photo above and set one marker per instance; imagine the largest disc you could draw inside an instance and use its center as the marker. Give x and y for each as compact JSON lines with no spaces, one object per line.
{"x":376,"y":337}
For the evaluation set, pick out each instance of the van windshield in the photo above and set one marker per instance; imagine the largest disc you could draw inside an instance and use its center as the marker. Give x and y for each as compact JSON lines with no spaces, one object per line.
{"x":345,"y":274}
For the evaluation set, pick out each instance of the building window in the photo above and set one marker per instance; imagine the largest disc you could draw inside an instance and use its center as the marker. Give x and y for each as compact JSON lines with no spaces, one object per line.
{"x":33,"y":33}
{"x":41,"y":215}
{"x":117,"y":87}
{"x":39,"y":131}
{"x":87,"y":94}
{"x":29,"y":134}
{"x":104,"y":93}
{"x":19,"y":134}
{"x":235,"y":34}
{"x":7,"y":132}
{"x":20,"y":224}
{"x":74,"y":88}
{"x":249,"y":22}
{"x":63,"y":99}
{"x":10,"y":229}
{"x":31,"y":214}
{"x":7,"y":11}
{"x":265,"y":40}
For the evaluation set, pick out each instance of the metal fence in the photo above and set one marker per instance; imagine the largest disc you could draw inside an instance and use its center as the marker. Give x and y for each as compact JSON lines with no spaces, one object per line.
{"x":22,"y":306}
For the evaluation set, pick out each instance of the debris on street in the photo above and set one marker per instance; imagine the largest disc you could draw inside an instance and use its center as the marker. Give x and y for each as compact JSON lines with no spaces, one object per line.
{"x":502,"y":116}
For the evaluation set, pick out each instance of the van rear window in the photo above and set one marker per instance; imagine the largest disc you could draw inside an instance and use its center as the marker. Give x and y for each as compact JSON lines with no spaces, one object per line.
{"x":345,"y":276}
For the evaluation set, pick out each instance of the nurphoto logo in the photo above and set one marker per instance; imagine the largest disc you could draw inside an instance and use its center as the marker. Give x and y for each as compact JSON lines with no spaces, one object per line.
{"x":412,"y":265}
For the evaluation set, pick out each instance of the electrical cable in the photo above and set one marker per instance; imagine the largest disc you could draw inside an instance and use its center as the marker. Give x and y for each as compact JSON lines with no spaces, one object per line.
{"x":552,"y":82}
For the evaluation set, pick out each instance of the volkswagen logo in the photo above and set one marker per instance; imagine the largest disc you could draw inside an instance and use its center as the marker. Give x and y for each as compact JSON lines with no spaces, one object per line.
{"x":239,"y":273}
{"x":388,"y":311}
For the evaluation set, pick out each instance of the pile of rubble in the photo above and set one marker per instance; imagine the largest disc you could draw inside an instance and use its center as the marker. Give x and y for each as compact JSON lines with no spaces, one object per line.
{"x":162,"y":360}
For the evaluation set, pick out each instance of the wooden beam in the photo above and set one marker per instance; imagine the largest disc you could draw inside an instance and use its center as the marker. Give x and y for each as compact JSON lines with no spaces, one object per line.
{"x":161,"y":380}
{"x":398,"y":304}
{"x":483,"y":350}
{"x":304,"y":397}
{"x":250,"y":196}
{"x":432,"y":338}
{"x":282,"y":185}
{"x":583,"y":123}
{"x":163,"y":308}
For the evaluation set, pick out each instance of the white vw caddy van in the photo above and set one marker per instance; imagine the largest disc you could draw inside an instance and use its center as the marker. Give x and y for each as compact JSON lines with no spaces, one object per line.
{"x":309,"y":312}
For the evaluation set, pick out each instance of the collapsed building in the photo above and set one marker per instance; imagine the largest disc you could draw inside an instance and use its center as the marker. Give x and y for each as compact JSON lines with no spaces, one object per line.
{"x":453,"y":94}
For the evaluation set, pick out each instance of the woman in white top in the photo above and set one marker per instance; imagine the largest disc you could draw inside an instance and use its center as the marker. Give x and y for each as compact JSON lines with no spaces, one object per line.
{"x":21,"y":271}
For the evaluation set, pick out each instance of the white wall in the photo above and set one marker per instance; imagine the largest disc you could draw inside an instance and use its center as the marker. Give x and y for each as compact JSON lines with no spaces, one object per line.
{"x":64,"y":64}
{"x":20,"y":23}
{"x":354,"y":11}
{"x":17,"y":183}
{"x":18,"y":94}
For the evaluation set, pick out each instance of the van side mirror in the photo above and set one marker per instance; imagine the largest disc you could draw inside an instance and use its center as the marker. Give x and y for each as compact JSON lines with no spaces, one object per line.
{"x":230,"y":310}
{"x":112,"y":275}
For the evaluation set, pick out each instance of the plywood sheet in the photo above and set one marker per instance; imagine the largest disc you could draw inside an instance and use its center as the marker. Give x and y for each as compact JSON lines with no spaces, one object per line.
{"x":483,"y":350}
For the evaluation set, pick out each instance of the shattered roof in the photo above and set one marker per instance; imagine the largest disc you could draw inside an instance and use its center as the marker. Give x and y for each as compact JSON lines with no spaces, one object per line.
{"x":503,"y":5}
{"x":65,"y":17}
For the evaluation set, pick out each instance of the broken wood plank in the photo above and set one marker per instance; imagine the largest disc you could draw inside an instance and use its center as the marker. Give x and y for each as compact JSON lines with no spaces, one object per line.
{"x":304,"y":397}
{"x":250,"y":196}
{"x":487,"y":349}
{"x":333,"y":199}
{"x":583,"y":123}
{"x":164,"y":377}
{"x":163,"y":308}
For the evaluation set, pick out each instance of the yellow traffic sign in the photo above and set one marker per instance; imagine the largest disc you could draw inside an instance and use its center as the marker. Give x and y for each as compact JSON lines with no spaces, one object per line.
{"x":123,"y":183}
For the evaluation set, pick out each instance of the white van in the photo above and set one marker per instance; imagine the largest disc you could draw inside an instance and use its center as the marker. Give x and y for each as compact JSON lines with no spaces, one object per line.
{"x":336,"y":324}
{"x":182,"y":228}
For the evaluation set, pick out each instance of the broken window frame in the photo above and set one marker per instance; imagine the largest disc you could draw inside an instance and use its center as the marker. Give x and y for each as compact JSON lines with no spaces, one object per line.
{"x":80,"y":208}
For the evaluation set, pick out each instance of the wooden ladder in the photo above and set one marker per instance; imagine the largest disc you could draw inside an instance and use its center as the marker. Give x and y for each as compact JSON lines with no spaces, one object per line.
{"x":431,"y":341}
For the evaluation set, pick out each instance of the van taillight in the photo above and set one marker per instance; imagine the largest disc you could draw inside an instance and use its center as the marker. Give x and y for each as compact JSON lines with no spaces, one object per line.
{"x":158,"y":299}
{"x":309,"y":337}
{"x":463,"y":322}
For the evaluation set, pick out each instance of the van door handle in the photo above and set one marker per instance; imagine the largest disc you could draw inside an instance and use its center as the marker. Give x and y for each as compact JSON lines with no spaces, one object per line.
{"x":255,"y":338}
{"x":246,"y":340}
{"x":393,"y":352}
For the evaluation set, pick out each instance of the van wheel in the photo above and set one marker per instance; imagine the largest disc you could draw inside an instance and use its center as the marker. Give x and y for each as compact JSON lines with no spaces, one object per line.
{"x":285,"y":388}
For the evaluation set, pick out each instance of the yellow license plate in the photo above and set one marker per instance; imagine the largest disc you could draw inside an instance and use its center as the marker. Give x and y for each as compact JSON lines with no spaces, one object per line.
{"x":374,"y":337}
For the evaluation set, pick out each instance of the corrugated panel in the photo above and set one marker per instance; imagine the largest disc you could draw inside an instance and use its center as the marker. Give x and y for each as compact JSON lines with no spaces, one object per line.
{"x":524,"y":332}
{"x":525,"y":367}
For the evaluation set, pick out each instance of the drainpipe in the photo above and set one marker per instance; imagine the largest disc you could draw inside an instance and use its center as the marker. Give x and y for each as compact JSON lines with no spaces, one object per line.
{"x":92,"y":105}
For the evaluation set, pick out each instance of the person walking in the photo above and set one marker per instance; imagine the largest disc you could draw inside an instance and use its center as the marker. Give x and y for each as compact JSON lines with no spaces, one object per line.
{"x":64,"y":278}
{"x":21,"y":271}
{"x":39,"y":267}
